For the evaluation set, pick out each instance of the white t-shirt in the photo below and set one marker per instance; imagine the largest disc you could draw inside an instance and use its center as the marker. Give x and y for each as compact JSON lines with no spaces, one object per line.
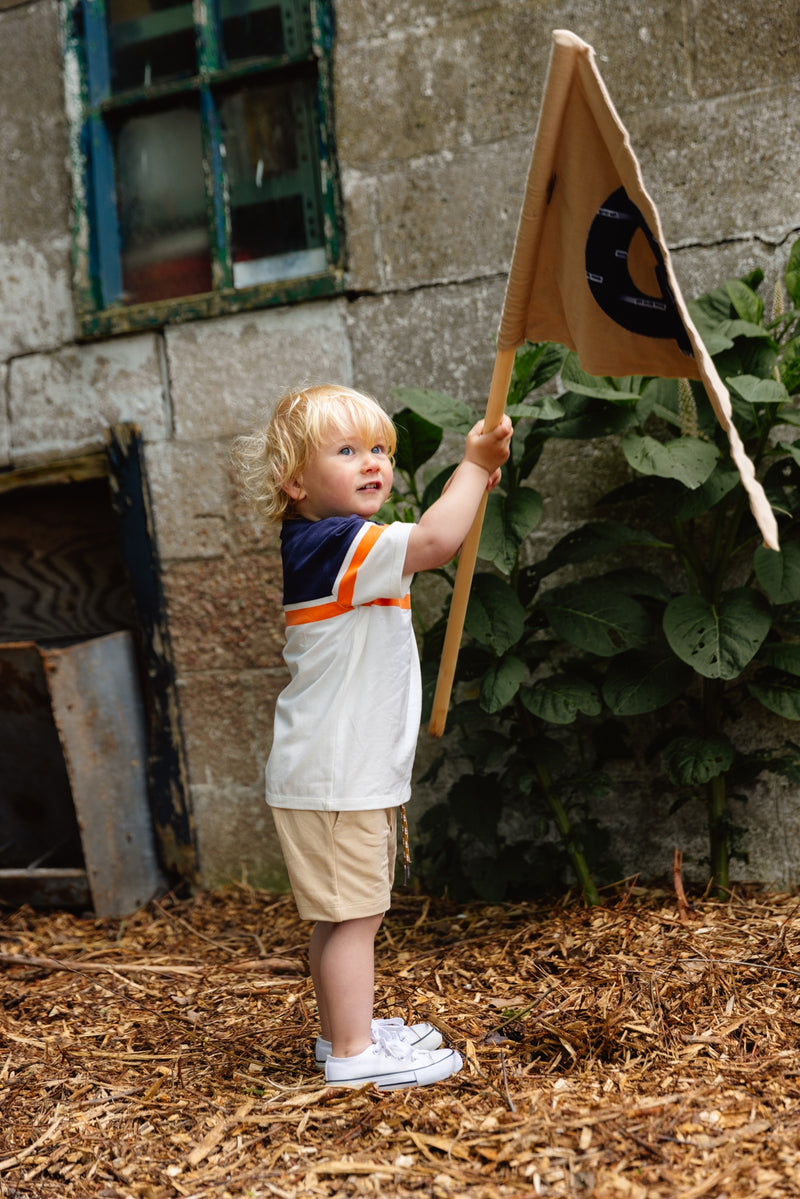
{"x":346,"y":724}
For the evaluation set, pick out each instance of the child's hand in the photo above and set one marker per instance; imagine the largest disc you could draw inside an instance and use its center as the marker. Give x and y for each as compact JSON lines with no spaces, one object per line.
{"x":489,"y":450}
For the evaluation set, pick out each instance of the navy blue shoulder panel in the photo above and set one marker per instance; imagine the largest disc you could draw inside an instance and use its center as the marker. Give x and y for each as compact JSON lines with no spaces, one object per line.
{"x":312,"y":553}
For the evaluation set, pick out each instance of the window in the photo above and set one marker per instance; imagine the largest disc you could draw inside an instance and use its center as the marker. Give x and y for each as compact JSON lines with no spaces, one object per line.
{"x":204,"y":177}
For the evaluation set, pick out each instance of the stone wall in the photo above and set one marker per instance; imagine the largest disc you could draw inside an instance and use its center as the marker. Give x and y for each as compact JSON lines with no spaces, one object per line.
{"x":436,"y":108}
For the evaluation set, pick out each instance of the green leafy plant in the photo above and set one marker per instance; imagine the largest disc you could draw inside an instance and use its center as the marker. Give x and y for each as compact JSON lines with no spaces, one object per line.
{"x":665,"y":602}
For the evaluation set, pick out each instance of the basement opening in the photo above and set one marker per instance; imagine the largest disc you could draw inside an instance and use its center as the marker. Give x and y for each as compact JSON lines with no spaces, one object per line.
{"x":94,"y":807}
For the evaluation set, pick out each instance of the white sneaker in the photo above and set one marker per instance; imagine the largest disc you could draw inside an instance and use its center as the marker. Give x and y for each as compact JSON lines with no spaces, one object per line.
{"x":417,"y":1036}
{"x":390,"y":1063}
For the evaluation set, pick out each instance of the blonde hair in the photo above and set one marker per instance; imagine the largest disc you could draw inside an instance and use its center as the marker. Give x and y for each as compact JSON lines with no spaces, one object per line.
{"x":271,"y":457}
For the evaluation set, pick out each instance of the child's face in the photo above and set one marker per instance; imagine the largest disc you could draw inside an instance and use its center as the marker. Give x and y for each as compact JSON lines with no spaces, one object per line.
{"x":349,"y":475}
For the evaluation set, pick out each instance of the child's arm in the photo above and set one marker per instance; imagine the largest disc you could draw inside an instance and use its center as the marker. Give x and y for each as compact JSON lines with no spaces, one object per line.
{"x":440,"y":531}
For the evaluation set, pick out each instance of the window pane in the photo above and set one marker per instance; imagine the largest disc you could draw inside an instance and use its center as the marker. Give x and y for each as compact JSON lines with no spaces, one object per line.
{"x":149,"y":41}
{"x":276,"y":212}
{"x":162,"y":205}
{"x":264,"y":28}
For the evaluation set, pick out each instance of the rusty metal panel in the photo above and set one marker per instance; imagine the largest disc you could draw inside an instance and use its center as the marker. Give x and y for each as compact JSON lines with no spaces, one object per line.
{"x":98,"y":712}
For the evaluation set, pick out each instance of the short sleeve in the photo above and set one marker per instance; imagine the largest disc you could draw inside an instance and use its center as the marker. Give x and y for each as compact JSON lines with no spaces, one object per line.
{"x":380,"y":571}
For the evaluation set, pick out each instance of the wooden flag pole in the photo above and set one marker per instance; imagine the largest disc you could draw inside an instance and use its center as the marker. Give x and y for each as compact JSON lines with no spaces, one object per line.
{"x":495,"y":407}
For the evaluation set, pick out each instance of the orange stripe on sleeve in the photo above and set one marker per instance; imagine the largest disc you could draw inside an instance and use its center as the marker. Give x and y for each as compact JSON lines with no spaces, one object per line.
{"x":348,"y":584}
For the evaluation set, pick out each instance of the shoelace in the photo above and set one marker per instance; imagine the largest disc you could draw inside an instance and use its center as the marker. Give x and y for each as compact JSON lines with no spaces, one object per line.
{"x":388,"y":1040}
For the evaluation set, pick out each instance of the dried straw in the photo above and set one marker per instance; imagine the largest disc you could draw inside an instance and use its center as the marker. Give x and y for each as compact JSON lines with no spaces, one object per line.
{"x":644,"y":1050}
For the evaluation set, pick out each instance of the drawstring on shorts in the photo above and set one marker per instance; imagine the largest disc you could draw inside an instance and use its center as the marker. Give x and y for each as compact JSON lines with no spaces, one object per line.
{"x":406,"y":845}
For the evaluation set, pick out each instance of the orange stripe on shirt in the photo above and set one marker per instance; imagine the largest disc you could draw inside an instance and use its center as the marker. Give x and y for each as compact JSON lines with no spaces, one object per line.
{"x":317,"y":612}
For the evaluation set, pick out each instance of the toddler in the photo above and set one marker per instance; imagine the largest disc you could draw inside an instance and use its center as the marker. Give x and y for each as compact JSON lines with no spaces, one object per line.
{"x":347,"y":722}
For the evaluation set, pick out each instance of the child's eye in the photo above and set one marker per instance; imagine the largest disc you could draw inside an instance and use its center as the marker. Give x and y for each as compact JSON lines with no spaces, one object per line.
{"x":379,"y":449}
{"x":346,"y":449}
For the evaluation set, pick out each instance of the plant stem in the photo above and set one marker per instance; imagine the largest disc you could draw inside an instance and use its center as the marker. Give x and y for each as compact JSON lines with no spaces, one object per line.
{"x":579,"y":863}
{"x":716,"y":794}
{"x":718,"y":835}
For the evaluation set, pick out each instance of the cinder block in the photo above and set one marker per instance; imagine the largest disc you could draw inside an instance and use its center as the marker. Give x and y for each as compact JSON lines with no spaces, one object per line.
{"x":441,"y":338}
{"x":226,"y":614}
{"x":721,"y":168}
{"x":36,"y":307}
{"x":227,"y":725}
{"x":5,"y":433}
{"x":747,"y":46}
{"x":701,"y":268}
{"x":190,"y":493}
{"x":35,"y":268}
{"x":226,"y":374}
{"x":62,"y":402}
{"x":449,"y":219}
{"x":237,"y":832}
{"x":433,"y":78}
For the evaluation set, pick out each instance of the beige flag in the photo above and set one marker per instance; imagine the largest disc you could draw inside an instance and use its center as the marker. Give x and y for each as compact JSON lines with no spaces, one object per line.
{"x":591,"y":270}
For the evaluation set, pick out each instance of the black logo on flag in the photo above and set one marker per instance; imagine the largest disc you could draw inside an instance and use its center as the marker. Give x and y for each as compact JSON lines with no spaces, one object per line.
{"x":609,"y":278}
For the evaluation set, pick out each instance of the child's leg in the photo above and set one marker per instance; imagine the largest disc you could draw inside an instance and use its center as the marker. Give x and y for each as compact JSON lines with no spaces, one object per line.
{"x":342,"y":959}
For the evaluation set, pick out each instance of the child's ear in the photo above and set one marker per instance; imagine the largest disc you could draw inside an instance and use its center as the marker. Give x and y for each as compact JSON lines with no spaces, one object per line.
{"x":295,"y":490}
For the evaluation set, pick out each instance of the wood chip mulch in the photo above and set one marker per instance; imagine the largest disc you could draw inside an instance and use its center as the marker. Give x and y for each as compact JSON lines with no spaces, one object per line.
{"x":648,"y":1048}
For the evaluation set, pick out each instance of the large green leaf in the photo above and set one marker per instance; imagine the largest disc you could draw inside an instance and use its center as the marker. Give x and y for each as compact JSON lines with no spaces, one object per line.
{"x":692,"y":761}
{"x":693,"y":504}
{"x":575,"y":379}
{"x":561,"y":697}
{"x":501,"y":682}
{"x":417,"y":440}
{"x":634,"y":580}
{"x":435,"y":487}
{"x":747,"y":303}
{"x":782,"y":485}
{"x":790,"y":366}
{"x":508,"y":521}
{"x":644,"y":680}
{"x":783,"y":655}
{"x":690,"y":460}
{"x":717,"y":640}
{"x":588,"y":418}
{"x":495,"y":617}
{"x":778,"y":571}
{"x":731,"y":330}
{"x":545,"y":407}
{"x":534,"y":365}
{"x":778,"y":692}
{"x":708,"y":311}
{"x":593,"y":541}
{"x":786,"y":621}
{"x":597,"y":617}
{"x":758,"y":391}
{"x":437,"y":408}
{"x":792,"y":276}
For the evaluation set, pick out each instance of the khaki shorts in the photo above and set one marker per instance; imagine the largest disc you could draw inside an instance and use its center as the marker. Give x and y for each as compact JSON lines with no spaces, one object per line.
{"x":340,"y":864}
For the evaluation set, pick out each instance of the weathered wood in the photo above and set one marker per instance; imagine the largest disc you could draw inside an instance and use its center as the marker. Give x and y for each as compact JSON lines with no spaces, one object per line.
{"x":166,"y":765}
{"x":98,"y":712}
{"x":61,"y":570}
{"x":46,"y":887}
{"x":67,"y":470}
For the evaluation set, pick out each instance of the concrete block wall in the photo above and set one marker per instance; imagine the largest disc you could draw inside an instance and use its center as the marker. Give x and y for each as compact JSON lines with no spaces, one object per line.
{"x":436,"y":103}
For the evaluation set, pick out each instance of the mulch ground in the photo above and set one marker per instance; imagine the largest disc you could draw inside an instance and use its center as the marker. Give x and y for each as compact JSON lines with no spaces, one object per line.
{"x":645,"y":1049}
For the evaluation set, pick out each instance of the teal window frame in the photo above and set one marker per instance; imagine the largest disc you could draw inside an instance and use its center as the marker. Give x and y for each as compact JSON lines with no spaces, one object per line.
{"x":93,"y":109}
